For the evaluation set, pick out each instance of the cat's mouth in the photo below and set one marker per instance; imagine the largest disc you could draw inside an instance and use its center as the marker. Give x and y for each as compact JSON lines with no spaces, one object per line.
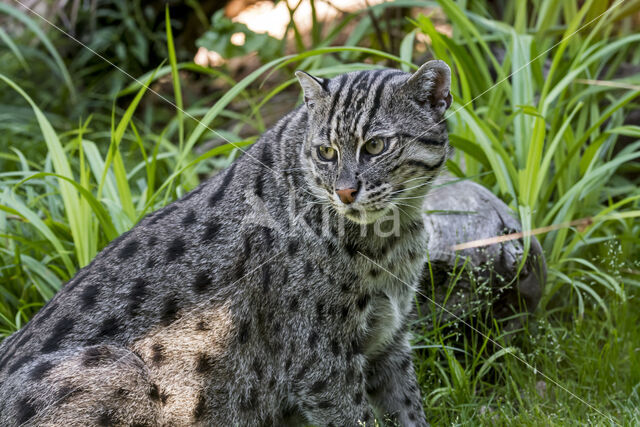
{"x":362,"y":215}
{"x":366,"y":211}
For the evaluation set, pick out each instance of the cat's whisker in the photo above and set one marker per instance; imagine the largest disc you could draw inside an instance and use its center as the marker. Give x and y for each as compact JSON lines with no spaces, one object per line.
{"x":411,"y":188}
{"x":415,"y":179}
{"x":397,"y":205}
{"x":403,"y":204}
{"x":410,"y":197}
{"x":317,"y":197}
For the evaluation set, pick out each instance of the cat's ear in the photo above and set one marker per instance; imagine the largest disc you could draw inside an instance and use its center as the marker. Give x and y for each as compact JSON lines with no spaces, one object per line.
{"x":314,"y":88}
{"x":430,"y":85}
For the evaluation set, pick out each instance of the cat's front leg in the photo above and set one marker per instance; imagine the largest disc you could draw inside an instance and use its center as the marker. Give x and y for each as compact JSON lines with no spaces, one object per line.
{"x":392,"y":387}
{"x":336,"y":396}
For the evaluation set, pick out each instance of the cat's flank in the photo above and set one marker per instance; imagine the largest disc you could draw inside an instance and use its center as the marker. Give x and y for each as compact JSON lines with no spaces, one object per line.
{"x":276,"y":293}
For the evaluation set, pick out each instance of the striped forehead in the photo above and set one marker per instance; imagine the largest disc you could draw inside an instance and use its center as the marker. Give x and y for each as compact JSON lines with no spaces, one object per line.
{"x":355,"y":99}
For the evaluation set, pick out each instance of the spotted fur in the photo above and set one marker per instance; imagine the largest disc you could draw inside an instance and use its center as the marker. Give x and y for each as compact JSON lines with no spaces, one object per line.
{"x":259,"y":298}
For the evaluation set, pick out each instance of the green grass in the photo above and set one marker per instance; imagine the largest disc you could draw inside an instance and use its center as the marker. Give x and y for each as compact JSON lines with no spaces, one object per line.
{"x":546,"y":139}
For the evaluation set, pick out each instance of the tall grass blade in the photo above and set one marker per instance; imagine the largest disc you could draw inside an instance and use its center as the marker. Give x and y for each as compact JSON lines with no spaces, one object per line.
{"x":29,"y":23}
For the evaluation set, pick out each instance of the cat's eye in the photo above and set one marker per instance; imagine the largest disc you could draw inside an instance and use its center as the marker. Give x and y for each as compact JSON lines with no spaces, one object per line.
{"x":375,"y":146}
{"x":326,"y":153}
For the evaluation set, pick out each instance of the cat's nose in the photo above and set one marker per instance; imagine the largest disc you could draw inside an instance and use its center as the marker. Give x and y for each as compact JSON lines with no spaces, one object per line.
{"x":347,"y":195}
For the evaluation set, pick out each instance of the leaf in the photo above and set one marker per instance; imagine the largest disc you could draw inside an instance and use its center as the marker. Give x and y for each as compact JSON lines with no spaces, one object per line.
{"x":18,"y":208}
{"x":175,"y":77}
{"x":28,"y":22}
{"x":98,"y":209}
{"x":14,"y":49}
{"x":406,"y":50}
{"x":61,"y":166}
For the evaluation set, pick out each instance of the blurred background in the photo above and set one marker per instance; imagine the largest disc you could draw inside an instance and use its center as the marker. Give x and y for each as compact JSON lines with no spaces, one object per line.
{"x":110,"y":110}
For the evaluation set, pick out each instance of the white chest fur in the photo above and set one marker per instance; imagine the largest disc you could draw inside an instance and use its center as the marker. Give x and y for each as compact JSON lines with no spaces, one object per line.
{"x":387,"y":314}
{"x":393,"y":286}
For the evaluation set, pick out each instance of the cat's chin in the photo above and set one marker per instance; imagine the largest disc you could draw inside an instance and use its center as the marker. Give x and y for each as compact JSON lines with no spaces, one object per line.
{"x":364,"y":216}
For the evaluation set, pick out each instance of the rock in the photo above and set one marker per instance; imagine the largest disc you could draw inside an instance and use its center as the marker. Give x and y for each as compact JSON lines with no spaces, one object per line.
{"x":461,"y":211}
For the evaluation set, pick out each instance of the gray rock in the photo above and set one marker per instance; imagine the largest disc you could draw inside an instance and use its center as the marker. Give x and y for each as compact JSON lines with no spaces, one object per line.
{"x":477,"y":280}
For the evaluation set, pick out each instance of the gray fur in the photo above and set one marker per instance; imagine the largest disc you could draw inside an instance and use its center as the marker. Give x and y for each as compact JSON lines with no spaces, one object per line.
{"x":251,"y":301}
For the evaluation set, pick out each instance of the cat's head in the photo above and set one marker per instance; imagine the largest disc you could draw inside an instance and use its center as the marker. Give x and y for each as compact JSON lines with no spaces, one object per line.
{"x":375,"y":139}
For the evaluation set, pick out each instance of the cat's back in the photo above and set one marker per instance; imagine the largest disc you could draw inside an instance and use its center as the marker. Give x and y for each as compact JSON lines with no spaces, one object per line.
{"x":156,"y":304}
{"x":146,"y":277}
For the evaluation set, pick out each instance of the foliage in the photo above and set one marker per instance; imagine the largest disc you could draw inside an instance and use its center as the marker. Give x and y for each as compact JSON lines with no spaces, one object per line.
{"x":538,"y":116}
{"x":218,"y":39}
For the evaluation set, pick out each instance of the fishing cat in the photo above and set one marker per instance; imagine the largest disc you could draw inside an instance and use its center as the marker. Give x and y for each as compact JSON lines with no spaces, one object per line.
{"x":277,"y":292}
